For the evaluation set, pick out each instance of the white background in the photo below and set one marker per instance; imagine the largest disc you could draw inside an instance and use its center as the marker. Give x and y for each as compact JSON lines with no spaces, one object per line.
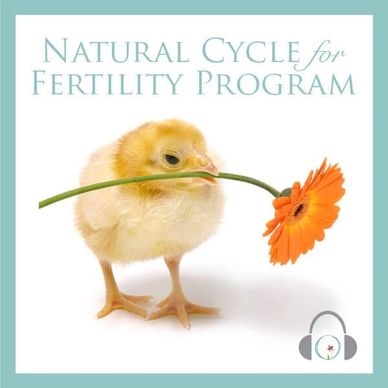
{"x":266,"y":309}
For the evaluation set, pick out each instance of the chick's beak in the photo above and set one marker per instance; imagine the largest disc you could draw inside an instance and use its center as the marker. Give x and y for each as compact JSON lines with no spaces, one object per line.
{"x":207,"y":165}
{"x":211,"y":168}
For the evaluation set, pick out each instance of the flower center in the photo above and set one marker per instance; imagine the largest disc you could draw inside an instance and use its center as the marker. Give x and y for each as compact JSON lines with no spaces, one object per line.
{"x":298,"y":211}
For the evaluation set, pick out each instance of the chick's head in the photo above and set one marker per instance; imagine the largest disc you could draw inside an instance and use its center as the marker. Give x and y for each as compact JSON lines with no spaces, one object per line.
{"x":164,"y":147}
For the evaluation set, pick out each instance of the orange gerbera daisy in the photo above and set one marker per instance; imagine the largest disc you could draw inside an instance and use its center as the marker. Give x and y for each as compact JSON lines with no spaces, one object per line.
{"x":301,"y":218}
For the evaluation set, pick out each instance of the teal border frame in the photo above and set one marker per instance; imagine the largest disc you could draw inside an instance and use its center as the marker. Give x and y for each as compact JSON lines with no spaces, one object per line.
{"x":10,"y":8}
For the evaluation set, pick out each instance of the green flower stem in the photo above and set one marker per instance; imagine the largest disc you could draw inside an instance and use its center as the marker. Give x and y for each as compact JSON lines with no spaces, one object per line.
{"x":247,"y":179}
{"x":116,"y":182}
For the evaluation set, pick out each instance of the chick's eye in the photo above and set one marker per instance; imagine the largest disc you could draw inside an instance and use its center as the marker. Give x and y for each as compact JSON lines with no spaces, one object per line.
{"x":171,"y":159}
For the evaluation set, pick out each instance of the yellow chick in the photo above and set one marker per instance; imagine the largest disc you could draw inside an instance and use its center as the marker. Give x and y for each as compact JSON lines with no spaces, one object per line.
{"x":147,"y":220}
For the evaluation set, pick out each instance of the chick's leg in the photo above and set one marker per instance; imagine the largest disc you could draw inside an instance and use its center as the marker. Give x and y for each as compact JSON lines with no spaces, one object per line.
{"x":176,"y":303}
{"x":116,"y":300}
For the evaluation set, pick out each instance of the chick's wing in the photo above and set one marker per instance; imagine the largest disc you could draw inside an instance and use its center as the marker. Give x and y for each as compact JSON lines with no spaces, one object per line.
{"x":98,"y":208}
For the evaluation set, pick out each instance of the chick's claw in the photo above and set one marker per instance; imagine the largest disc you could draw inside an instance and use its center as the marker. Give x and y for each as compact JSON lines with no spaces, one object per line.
{"x":127,"y":303}
{"x":181,"y":308}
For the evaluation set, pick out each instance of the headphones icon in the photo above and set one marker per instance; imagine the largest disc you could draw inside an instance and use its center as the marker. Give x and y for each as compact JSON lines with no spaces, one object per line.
{"x":305,"y":346}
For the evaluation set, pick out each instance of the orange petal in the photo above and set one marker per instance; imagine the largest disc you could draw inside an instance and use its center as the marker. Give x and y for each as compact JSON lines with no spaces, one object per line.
{"x":276,"y":235}
{"x":273,"y":257}
{"x":295,"y":242}
{"x":326,"y":214}
{"x":271,"y":225}
{"x":283,"y":211}
{"x":303,"y":241}
{"x":329,"y":194}
{"x":329,"y":178}
{"x":295,"y":192}
{"x":323,"y":165}
{"x":307,"y":237}
{"x":319,"y":174}
{"x":314,"y":228}
{"x":307,"y":184}
{"x":283,"y":247}
{"x":281,"y":201}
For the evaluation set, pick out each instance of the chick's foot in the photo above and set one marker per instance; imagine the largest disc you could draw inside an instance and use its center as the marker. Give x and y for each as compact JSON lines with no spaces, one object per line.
{"x":178,"y":305}
{"x":129,"y":303}
{"x":116,"y":300}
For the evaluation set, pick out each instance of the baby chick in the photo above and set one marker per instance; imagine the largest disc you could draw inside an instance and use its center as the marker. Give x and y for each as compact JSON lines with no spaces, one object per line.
{"x":147,"y":220}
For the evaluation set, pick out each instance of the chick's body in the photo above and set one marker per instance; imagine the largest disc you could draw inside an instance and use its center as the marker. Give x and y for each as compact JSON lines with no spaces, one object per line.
{"x":147,"y":220}
{"x":121,"y":225}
